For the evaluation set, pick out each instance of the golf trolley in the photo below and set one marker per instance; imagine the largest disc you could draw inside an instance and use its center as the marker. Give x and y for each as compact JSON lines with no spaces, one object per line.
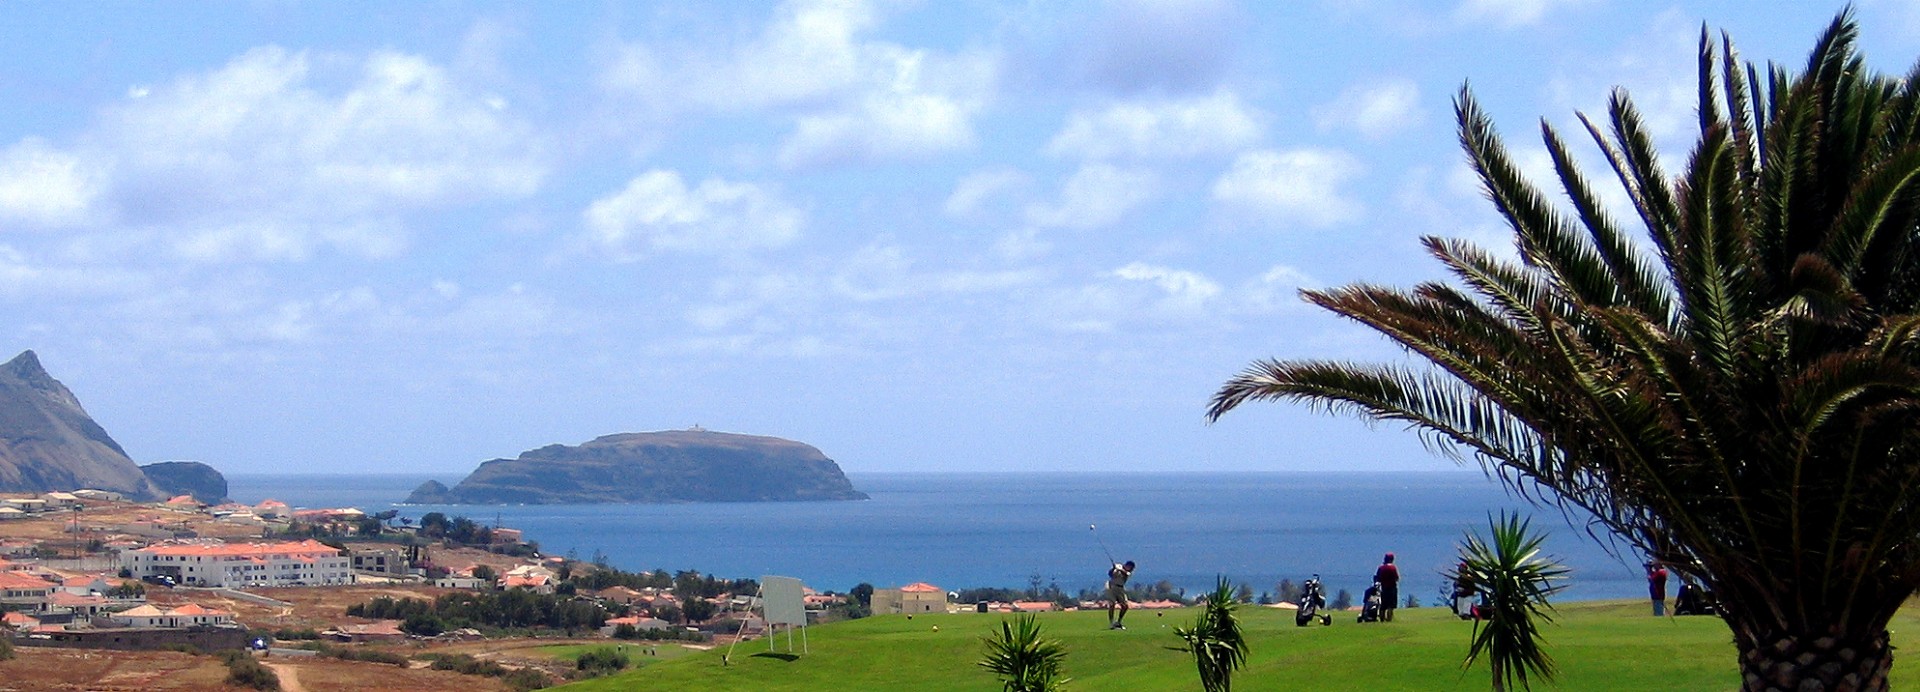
{"x":1313,"y":599}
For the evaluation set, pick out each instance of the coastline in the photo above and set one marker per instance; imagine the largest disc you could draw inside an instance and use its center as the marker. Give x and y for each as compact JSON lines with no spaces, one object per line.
{"x":965,"y":530}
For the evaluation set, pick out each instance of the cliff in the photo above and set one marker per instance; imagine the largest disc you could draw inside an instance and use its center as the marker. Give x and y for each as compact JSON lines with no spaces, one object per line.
{"x":48,"y":442}
{"x":188,"y":478}
{"x":656,"y":467}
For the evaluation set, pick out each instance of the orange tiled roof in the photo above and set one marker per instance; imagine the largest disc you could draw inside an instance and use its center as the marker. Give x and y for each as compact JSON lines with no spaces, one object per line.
{"x":307,"y":547}
{"x":920,"y":587}
{"x":62,"y":598}
{"x":16,"y":580}
{"x":196,"y":609}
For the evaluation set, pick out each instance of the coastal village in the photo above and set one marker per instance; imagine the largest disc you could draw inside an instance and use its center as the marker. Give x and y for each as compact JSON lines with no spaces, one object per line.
{"x":338,"y":593}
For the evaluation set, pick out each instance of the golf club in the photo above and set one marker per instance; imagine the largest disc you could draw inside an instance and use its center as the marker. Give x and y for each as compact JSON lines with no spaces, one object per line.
{"x":1103,"y":544}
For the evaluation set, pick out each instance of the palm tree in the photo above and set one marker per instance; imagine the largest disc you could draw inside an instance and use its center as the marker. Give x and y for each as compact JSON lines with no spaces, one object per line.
{"x":1740,"y":398}
{"x":1517,"y":581}
{"x":1215,"y":641}
{"x":1022,"y":660}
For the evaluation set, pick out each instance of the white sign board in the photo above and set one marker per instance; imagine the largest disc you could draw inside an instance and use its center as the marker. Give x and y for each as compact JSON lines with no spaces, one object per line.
{"x":784,"y":601}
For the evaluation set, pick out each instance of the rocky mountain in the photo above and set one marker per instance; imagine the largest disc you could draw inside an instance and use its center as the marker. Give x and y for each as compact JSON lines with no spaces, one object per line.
{"x":48,"y":442}
{"x":670,"y":466}
{"x":188,"y":478}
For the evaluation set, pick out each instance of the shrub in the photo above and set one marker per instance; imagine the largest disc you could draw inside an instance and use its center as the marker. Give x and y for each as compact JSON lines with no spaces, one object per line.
{"x":526,"y":679}
{"x":6,"y":649}
{"x":602,"y":661}
{"x":466,"y":664}
{"x":244,"y":671}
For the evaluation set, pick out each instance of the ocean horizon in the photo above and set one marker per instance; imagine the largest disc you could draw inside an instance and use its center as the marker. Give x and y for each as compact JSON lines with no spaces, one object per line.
{"x":971,"y":529}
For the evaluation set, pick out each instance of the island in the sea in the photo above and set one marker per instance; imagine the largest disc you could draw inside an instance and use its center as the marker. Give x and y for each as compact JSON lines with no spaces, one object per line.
{"x":656,"y":467}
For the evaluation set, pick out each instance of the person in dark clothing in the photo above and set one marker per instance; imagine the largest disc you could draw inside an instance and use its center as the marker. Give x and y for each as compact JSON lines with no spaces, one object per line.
{"x":1389,"y":578}
{"x":1657,"y":587}
{"x":1463,"y":591}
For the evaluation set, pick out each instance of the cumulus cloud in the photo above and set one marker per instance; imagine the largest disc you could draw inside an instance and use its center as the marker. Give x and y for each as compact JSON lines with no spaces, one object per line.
{"x":1510,"y":14}
{"x":898,"y":124}
{"x":1300,"y":185}
{"x":1276,"y":289}
{"x":1656,"y":67}
{"x":263,"y":128}
{"x":1160,"y":128}
{"x":657,"y":212}
{"x":44,"y":187}
{"x":1134,"y":293}
{"x":1182,"y":289}
{"x":25,"y":276}
{"x":276,"y":155}
{"x":852,"y":98}
{"x":1374,"y":110}
{"x":1096,"y":195}
{"x":977,"y":188}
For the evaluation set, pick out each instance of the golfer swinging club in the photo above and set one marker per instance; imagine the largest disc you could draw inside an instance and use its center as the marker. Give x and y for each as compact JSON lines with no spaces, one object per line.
{"x":1117,"y":594}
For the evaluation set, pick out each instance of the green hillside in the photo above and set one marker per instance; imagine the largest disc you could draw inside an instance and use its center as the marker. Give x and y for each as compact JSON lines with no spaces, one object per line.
{"x":1599,"y":646}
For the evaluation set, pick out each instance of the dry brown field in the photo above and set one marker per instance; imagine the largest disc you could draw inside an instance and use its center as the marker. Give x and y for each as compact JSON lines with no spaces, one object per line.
{"x":35,"y":670}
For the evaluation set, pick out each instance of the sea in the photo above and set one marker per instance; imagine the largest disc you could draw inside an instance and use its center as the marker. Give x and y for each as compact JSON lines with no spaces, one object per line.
{"x":967,"y":530}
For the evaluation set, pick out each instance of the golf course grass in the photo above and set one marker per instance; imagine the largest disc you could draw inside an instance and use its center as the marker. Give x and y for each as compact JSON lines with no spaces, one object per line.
{"x":1599,"y":645}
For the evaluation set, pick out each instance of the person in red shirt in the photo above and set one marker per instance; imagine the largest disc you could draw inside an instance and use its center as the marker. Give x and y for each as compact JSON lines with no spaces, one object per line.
{"x":1657,"y":587}
{"x":1389,"y":578}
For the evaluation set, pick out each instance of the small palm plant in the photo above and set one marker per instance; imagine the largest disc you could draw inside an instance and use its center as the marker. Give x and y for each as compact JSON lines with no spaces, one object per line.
{"x":1215,"y":641}
{"x":1516,"y":580}
{"x":1023,"y":661}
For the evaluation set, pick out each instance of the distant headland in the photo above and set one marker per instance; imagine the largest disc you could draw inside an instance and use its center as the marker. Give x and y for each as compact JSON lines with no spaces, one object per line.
{"x":655,"y":467}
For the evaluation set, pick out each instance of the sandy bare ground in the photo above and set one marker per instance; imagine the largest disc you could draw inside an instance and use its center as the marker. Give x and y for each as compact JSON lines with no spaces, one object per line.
{"x":289,"y":677}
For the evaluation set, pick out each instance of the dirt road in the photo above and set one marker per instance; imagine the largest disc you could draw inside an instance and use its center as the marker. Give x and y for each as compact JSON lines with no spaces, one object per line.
{"x":289,"y":677}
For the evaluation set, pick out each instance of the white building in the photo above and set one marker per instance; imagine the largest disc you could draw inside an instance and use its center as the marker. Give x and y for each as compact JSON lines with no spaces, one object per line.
{"x":189,"y":615}
{"x":303,"y":563}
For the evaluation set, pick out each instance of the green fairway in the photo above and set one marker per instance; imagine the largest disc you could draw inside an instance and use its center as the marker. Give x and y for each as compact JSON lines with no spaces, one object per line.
{"x":640,"y":652}
{"x":1598,"y":645}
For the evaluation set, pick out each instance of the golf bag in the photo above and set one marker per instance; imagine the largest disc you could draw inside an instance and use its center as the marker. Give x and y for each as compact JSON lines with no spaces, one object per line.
{"x":1693,"y":600}
{"x":1370,"y":605}
{"x":1313,"y":599}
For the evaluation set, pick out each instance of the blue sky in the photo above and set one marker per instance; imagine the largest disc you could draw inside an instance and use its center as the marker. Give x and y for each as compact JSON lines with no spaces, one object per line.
{"x":922,"y":236}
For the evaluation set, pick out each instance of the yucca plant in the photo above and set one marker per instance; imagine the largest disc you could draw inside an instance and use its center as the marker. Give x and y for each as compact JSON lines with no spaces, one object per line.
{"x":1022,"y":660}
{"x":1215,"y":641}
{"x":1738,"y":396}
{"x":1517,"y":580}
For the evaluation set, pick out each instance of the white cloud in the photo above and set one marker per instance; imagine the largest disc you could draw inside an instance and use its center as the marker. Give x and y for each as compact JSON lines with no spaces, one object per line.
{"x":276,"y":155}
{"x":1132,"y":294}
{"x":43,"y":186}
{"x":1659,"y":70}
{"x":1510,"y":14}
{"x":23,"y":276}
{"x":852,"y":98}
{"x":1183,"y":289}
{"x":972,"y":192}
{"x":1374,"y":110}
{"x":1276,"y":289}
{"x":1096,"y":195}
{"x":1300,"y":185}
{"x":1166,"y":128}
{"x":899,"y":125}
{"x":657,"y":212}
{"x":263,"y":131}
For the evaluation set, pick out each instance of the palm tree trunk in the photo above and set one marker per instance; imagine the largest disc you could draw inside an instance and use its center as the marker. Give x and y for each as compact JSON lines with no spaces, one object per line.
{"x":1819,"y":663}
